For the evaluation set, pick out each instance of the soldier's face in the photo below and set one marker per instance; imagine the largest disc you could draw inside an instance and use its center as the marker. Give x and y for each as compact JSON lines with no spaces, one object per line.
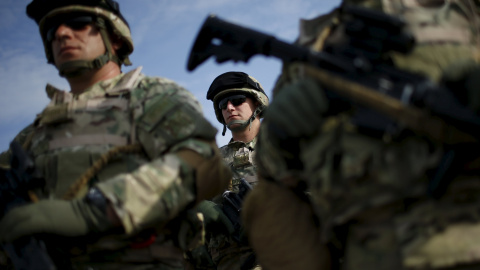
{"x":242,"y":111}
{"x":76,"y":43}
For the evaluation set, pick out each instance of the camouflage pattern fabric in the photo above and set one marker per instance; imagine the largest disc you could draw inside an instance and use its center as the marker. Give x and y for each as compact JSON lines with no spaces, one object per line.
{"x":221,"y":250}
{"x":226,"y":252}
{"x":150,"y":190}
{"x":240,"y":157}
{"x":370,"y":193}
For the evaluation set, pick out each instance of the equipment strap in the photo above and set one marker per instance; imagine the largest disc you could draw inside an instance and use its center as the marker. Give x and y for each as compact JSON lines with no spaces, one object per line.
{"x":93,"y":139}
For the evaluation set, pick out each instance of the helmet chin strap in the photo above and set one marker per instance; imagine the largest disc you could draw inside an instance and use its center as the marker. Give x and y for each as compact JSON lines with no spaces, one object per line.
{"x":242,"y":124}
{"x":78,"y":67}
{"x":239,"y":124}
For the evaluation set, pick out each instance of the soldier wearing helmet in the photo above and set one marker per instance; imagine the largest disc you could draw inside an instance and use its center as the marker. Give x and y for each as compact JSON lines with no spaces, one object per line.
{"x":239,"y":102}
{"x":336,"y":192}
{"x":106,"y":17}
{"x":124,"y":156}
{"x":237,"y":84}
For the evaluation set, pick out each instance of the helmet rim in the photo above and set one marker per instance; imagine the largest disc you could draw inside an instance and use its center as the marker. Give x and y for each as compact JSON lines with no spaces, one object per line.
{"x":117,"y":24}
{"x":256,"y":95}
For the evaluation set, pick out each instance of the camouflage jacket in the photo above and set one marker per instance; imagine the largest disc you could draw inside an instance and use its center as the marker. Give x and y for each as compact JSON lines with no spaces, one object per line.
{"x":106,"y":122}
{"x":221,"y":250}
{"x":371,"y":193}
{"x":240,"y":158}
{"x":226,"y":252}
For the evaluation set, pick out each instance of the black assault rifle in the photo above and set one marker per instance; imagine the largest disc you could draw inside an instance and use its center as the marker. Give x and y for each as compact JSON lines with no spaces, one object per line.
{"x":232,"y":205}
{"x":27,"y":253}
{"x":356,"y":71}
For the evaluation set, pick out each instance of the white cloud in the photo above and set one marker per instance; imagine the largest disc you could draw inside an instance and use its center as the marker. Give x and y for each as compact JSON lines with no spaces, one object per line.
{"x":155,"y":17}
{"x":9,"y":10}
{"x":23,"y":78}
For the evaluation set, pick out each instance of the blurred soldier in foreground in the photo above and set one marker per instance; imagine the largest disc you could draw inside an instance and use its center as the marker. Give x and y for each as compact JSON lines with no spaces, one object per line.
{"x":239,"y":101}
{"x":334,"y":194}
{"x":124,"y":156}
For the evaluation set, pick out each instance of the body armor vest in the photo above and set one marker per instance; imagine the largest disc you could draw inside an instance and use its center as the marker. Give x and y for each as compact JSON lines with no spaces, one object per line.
{"x":240,"y":157}
{"x":74,"y":131}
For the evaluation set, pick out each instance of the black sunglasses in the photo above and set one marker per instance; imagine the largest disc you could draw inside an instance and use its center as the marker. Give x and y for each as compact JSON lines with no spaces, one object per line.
{"x":76,"y":23}
{"x":235,"y":100}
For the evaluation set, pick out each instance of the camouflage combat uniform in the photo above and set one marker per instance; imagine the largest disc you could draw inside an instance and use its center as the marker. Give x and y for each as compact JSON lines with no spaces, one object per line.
{"x":148,"y":187}
{"x":124,"y":158}
{"x":226,"y":245}
{"x":370,"y":192}
{"x":226,"y":252}
{"x":240,"y":157}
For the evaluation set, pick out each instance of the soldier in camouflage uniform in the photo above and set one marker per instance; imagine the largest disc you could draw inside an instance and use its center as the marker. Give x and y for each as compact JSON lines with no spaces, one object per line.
{"x":239,"y":101}
{"x":334,"y":196}
{"x":124,"y":156}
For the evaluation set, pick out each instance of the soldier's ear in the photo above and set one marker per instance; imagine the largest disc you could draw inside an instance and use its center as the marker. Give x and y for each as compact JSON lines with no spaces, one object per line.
{"x":116,"y":41}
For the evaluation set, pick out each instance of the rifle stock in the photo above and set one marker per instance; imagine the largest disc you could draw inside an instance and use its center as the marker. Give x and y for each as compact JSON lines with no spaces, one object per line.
{"x":232,"y":205}
{"x":356,"y":70}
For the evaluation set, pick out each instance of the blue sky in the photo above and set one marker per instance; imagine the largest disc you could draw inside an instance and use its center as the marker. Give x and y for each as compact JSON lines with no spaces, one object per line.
{"x":163,"y":32}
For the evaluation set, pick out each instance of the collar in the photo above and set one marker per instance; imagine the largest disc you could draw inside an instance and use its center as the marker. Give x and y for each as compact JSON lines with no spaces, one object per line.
{"x":117,"y":85}
{"x":239,"y":144}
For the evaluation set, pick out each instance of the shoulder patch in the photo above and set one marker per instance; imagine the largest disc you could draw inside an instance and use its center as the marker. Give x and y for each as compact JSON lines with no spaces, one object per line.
{"x":169,"y":117}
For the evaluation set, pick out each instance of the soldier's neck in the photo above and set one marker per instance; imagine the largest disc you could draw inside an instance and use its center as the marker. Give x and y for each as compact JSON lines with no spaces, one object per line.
{"x":80,"y":83}
{"x":248,"y":134}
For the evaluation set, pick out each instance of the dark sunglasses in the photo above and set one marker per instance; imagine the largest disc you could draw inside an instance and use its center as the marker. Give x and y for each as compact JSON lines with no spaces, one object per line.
{"x":76,"y":23}
{"x":235,"y":100}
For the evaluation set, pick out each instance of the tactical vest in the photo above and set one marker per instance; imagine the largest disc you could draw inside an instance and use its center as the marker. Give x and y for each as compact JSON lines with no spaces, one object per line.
{"x":240,"y":158}
{"x":75,"y":131}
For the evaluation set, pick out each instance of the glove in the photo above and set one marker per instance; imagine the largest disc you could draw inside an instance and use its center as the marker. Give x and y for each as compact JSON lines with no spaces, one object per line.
{"x":296,"y":110}
{"x":214,"y":218}
{"x":463,"y":79}
{"x":190,"y":230}
{"x":65,"y":218}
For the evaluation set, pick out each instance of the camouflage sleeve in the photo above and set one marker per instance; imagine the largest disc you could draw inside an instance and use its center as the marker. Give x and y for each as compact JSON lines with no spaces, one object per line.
{"x":180,"y":143}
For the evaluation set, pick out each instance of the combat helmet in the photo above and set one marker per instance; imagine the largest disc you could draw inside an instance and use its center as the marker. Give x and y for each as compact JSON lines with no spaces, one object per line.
{"x":106,"y":16}
{"x":237,"y":82}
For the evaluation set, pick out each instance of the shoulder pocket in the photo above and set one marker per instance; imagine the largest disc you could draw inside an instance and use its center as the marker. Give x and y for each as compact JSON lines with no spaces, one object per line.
{"x":167,"y":121}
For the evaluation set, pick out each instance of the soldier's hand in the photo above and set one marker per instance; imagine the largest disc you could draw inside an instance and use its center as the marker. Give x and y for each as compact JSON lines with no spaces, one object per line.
{"x":296,"y":110}
{"x":59,"y":217}
{"x":214,"y":218}
{"x":463,"y":79}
